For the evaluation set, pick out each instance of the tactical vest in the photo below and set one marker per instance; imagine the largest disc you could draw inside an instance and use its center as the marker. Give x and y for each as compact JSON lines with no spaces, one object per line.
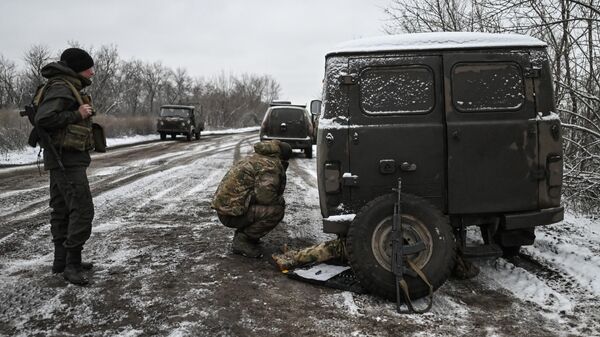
{"x":79,"y":136}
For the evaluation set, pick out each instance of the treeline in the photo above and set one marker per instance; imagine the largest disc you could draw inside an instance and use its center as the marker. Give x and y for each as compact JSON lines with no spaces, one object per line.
{"x":134,"y":89}
{"x":571,"y":28}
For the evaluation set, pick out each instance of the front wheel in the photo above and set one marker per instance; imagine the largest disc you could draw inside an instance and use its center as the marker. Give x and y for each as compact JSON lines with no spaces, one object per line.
{"x":197,"y":135}
{"x":163,"y":136}
{"x":369,"y":245}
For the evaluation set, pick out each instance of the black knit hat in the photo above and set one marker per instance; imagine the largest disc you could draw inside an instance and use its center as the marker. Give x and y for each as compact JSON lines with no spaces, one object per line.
{"x":77,"y":59}
{"x":285,"y":151}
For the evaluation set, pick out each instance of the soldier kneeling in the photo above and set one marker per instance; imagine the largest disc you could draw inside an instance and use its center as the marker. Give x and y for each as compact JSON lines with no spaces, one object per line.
{"x":250,"y":196}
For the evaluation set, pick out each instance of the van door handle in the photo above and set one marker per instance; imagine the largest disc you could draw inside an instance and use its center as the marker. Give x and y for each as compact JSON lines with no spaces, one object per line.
{"x":355,"y":138}
{"x":408,"y":167}
{"x":456,"y":134}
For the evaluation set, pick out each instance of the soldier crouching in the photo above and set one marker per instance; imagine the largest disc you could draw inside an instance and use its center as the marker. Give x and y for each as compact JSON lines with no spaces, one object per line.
{"x":250,"y":196}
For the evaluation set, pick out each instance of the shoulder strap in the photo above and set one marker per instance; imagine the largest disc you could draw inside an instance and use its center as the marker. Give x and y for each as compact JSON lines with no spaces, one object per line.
{"x":40,"y":93}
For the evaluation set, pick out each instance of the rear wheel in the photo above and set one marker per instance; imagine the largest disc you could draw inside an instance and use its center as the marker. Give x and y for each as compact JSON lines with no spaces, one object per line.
{"x":163,"y":136}
{"x":188,"y":136}
{"x":369,"y":245}
{"x":197,"y":135}
{"x":308,"y":152}
{"x":173,"y":136}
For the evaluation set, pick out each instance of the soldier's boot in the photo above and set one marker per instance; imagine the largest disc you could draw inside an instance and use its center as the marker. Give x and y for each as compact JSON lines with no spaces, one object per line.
{"x":464,"y":269}
{"x":72,"y":272}
{"x":243,"y":245}
{"x":60,"y":260}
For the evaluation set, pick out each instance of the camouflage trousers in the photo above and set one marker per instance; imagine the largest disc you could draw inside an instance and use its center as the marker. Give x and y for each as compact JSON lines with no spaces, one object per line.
{"x":257,"y":222}
{"x":72,"y":207}
{"x":324,"y":251}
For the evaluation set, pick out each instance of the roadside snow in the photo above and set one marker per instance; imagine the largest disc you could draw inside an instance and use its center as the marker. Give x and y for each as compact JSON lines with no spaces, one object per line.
{"x":29,"y":155}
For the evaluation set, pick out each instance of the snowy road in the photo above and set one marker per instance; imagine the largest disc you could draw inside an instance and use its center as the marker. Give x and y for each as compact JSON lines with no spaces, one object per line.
{"x":163,"y":265}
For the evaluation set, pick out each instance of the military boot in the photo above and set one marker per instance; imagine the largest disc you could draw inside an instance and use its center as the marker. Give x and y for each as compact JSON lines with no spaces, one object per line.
{"x":72,"y":272}
{"x":60,"y":260}
{"x":243,"y":245}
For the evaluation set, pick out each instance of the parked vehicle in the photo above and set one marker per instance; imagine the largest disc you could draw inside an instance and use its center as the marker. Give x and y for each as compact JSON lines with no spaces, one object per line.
{"x":289,"y":123}
{"x":179,"y":120}
{"x":466,"y":121}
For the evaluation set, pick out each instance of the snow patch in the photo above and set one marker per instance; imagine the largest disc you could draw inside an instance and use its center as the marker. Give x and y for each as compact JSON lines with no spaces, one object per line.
{"x":340,"y":218}
{"x":440,"y":40}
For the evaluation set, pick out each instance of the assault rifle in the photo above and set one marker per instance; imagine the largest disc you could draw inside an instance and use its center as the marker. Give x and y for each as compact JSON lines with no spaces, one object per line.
{"x":398,"y":261}
{"x":39,"y":135}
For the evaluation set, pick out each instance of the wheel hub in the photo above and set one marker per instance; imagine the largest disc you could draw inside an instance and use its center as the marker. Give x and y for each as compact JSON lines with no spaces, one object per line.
{"x":414,"y":232}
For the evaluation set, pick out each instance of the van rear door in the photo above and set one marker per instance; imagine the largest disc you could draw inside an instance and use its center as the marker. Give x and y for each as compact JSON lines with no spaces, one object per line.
{"x":288,"y":122}
{"x":491,"y":133}
{"x":396,"y":127}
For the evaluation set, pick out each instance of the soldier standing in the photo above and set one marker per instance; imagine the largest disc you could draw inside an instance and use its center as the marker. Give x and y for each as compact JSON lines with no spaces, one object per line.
{"x":62,"y":114}
{"x":250,"y":196}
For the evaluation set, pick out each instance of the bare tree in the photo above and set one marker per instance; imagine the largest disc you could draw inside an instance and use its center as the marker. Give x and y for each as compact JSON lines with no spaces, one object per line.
{"x":35,"y":59}
{"x":8,"y":82}
{"x":103,"y":89}
{"x":153,"y":77}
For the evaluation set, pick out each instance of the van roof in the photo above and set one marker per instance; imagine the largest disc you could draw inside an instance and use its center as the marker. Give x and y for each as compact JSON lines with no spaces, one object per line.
{"x":436,"y":41}
{"x":174,"y":106}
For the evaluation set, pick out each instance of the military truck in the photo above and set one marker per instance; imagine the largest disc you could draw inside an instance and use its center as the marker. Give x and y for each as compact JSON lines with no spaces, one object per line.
{"x":466,"y":121}
{"x":179,"y":120}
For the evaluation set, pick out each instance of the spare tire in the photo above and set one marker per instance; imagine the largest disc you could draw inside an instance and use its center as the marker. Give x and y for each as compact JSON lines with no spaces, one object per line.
{"x":369,"y":245}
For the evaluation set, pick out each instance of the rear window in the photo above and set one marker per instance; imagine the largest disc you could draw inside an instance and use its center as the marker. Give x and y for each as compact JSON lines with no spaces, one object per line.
{"x":397,"y":90}
{"x":484,"y":87}
{"x":283,"y":114}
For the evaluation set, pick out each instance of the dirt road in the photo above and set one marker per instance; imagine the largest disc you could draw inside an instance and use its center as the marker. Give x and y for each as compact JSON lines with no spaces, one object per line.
{"x":163,"y":266}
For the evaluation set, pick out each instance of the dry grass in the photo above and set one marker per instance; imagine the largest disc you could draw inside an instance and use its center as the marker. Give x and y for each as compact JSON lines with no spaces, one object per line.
{"x":126,"y":126}
{"x":14,"y":129}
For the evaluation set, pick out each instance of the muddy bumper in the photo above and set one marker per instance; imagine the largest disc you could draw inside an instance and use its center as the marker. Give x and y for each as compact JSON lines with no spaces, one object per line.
{"x":523,"y":220}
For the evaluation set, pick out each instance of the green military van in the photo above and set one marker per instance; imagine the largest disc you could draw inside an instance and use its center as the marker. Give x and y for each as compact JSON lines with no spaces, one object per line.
{"x":466,"y":121}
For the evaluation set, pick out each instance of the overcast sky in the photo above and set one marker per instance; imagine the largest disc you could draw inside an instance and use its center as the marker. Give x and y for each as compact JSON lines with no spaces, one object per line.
{"x":284,"y":38}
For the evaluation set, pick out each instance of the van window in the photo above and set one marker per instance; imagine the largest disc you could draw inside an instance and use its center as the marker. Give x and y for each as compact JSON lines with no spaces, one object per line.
{"x":287,"y":114}
{"x":480,"y":87}
{"x":397,"y":90}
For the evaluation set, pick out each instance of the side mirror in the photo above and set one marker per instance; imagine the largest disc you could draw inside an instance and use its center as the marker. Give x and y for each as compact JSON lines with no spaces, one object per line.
{"x":315,"y":107}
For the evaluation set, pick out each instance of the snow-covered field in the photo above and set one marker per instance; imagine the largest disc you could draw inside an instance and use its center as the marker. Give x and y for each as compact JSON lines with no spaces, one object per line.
{"x":29,"y":155}
{"x":163,"y":266}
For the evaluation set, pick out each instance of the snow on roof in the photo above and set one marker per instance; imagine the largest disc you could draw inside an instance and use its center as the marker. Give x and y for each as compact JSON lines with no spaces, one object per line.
{"x":443,"y":40}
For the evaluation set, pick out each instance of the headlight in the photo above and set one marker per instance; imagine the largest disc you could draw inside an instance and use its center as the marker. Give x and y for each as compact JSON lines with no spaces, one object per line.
{"x":160,"y":123}
{"x":182,"y":124}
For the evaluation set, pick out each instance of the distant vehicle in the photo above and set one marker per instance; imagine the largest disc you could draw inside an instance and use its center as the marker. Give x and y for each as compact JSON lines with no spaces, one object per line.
{"x":289,"y":123}
{"x":466,"y":121}
{"x":179,"y":120}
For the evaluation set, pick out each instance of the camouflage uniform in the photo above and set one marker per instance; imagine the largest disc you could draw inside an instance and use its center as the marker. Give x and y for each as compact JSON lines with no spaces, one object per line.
{"x":325,"y":251}
{"x":70,"y":197}
{"x":250,"y":196}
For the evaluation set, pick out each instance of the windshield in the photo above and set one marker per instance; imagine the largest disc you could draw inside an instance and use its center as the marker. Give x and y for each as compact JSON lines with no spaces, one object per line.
{"x":174,"y":112}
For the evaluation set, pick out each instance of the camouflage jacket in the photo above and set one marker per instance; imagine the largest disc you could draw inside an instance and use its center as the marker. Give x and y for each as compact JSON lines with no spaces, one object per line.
{"x":257,"y":179}
{"x":59,"y":108}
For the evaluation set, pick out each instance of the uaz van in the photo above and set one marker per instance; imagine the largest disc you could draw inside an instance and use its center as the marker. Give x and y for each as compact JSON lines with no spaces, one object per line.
{"x":466,"y":121}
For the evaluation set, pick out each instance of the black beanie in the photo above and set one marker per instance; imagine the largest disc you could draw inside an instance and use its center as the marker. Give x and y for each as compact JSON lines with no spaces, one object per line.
{"x":77,"y":59}
{"x":285,"y":151}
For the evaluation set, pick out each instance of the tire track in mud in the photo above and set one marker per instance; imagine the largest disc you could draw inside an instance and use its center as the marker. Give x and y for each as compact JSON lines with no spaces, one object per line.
{"x":16,"y":225}
{"x":163,"y":267}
